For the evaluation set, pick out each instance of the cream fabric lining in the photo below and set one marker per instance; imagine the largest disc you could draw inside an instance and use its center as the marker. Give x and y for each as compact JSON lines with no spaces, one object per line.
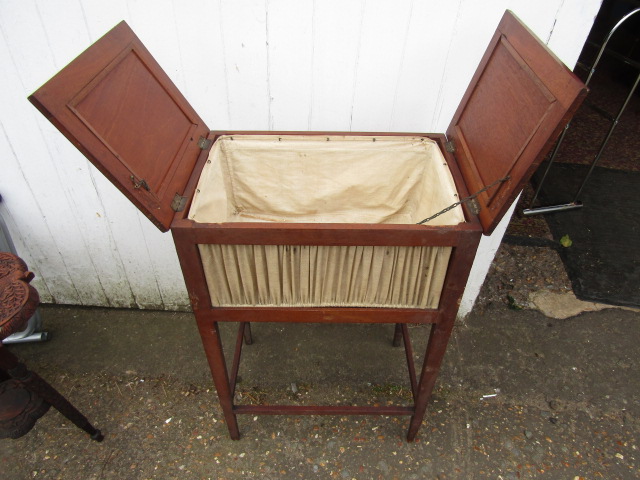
{"x":288,"y":275}
{"x":336,"y":179}
{"x":306,"y":179}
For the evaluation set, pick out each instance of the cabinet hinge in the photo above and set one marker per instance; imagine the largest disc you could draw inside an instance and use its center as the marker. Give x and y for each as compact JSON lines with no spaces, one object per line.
{"x":474,"y":206}
{"x":450,"y":146}
{"x":204,"y":143}
{"x":178,"y":203}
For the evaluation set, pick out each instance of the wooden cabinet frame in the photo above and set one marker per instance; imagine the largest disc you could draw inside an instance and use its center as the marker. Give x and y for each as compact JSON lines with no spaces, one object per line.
{"x":115,"y":94}
{"x":464,"y":239}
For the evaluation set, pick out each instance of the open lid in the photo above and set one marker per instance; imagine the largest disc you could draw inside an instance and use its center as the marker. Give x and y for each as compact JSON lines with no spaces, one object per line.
{"x":116,"y":105}
{"x":519,"y":99}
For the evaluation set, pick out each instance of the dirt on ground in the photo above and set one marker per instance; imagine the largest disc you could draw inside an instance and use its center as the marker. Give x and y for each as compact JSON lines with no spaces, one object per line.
{"x":518,"y":271}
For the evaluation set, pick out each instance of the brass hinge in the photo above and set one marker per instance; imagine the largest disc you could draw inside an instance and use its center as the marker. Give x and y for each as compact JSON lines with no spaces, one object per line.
{"x":450,"y":146}
{"x":204,"y":143}
{"x":178,"y":203}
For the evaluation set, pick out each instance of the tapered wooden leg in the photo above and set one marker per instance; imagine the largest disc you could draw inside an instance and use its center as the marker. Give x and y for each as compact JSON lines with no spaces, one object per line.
{"x":458,"y":272}
{"x":436,"y":347}
{"x":210,"y":334}
{"x":397,"y":335}
{"x":248,"y":338}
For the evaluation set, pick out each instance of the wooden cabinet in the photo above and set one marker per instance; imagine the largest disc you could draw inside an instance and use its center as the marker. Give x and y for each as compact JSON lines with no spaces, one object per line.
{"x":118,"y":107}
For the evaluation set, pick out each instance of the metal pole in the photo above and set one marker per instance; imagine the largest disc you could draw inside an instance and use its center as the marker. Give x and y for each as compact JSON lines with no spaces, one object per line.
{"x":576,"y":203}
{"x":606,"y":140}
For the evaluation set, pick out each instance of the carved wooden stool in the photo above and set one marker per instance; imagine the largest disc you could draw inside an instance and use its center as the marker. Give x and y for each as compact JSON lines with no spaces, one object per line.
{"x":24,"y":396}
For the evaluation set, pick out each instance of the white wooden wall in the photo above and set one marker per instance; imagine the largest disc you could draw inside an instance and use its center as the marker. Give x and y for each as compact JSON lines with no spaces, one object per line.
{"x":384,"y":65}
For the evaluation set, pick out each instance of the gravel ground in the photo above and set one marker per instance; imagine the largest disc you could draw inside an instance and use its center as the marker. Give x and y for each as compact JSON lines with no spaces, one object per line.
{"x":518,"y":271}
{"x":164,"y":430}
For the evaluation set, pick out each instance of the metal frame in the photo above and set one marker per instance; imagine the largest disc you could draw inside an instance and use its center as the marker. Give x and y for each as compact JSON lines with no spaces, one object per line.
{"x":575,"y":203}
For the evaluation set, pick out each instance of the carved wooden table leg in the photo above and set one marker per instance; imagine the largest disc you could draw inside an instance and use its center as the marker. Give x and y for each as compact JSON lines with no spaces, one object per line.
{"x":19,"y":409}
{"x":25,"y":396}
{"x":35,"y":384}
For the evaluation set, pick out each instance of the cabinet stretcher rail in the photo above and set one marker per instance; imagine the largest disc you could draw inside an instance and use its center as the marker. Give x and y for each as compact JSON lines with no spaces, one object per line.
{"x":244,"y":333}
{"x":324,"y":315}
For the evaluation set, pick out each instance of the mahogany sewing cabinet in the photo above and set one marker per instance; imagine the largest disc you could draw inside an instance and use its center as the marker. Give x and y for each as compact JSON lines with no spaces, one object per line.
{"x":317,"y":226}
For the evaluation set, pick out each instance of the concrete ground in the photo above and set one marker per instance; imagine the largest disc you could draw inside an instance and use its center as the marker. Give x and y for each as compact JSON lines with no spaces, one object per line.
{"x":520,"y":396}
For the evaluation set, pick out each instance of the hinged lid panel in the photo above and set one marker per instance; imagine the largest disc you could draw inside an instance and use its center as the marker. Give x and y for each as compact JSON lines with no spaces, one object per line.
{"x":116,"y":104}
{"x":515,"y":106}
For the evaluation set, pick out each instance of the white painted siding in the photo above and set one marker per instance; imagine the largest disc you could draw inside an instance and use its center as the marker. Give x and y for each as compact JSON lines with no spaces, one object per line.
{"x":380,"y":65}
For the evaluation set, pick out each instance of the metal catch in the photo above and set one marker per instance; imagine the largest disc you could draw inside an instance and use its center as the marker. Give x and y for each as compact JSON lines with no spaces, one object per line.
{"x":139,"y":183}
